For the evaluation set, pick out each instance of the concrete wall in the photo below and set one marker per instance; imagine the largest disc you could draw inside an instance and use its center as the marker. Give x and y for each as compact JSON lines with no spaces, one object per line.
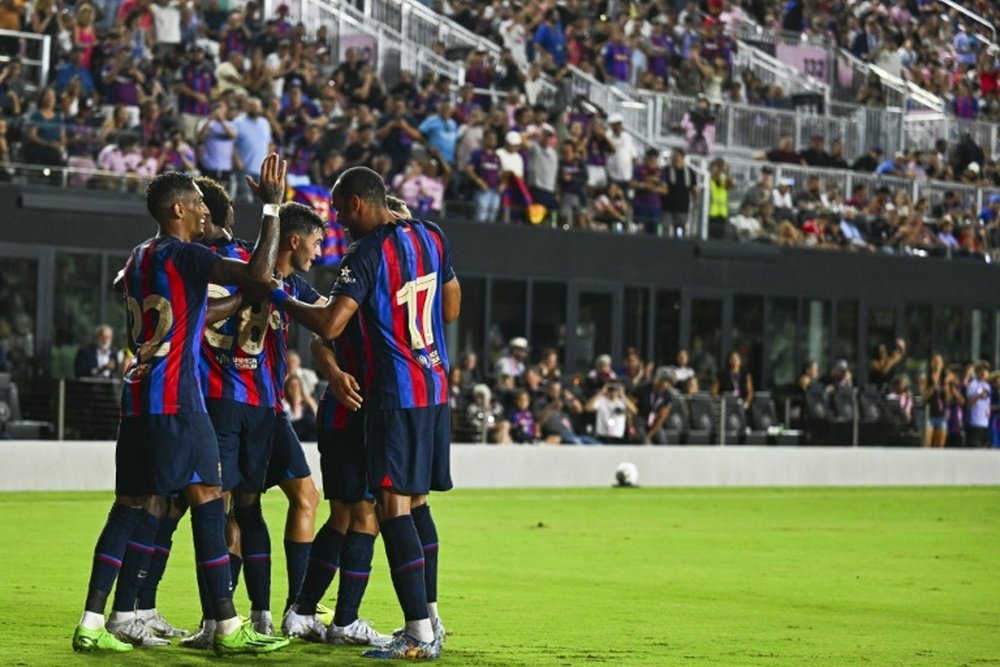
{"x":64,"y":466}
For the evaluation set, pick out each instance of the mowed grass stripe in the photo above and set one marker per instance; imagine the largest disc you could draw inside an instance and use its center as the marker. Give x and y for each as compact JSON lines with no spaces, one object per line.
{"x":603,"y":576}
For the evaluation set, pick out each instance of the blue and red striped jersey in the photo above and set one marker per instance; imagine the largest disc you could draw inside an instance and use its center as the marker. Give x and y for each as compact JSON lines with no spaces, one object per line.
{"x":234,"y":364}
{"x":354,"y":356}
{"x":166,"y":289}
{"x":395,"y":274}
{"x":276,"y":345}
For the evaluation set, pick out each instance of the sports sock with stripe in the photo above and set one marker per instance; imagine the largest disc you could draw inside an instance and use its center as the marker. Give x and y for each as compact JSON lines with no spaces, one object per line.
{"x":296,"y":562}
{"x":406,"y":562}
{"x":355,"y":568}
{"x":208,"y":525}
{"x":135,"y":566}
{"x":162,"y":543}
{"x":324,"y":559}
{"x":108,"y":555}
{"x":255,"y":544}
{"x":429,"y":541}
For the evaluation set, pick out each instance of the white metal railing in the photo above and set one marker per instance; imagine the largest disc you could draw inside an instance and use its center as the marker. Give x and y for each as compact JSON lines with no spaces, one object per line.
{"x":975,"y":17}
{"x":904,"y":93}
{"x":36,"y":68}
{"x":769,"y":69}
{"x":923,"y":128}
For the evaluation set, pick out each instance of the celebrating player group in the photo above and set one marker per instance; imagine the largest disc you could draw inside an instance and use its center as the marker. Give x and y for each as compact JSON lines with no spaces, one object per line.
{"x":203,"y":430}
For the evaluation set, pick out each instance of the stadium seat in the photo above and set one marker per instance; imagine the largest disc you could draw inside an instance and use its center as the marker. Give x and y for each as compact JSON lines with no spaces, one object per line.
{"x":673,"y":430}
{"x":11,"y":424}
{"x":701,"y":420}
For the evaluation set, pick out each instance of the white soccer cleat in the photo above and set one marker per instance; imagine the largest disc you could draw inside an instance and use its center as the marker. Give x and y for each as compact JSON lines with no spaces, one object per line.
{"x":358,"y":632}
{"x":439,"y":632}
{"x":203,"y":640}
{"x":135,"y":632}
{"x":303,"y":627}
{"x":159,"y":625}
{"x":262,"y":622}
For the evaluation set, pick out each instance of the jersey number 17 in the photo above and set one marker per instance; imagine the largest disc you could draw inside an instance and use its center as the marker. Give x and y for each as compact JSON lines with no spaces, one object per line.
{"x":422,"y":327}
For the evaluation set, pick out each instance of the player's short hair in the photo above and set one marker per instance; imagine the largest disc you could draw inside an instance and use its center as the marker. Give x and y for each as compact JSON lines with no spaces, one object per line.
{"x":297,"y":218}
{"x":217,"y":199}
{"x":363,"y":182}
{"x":164,"y":191}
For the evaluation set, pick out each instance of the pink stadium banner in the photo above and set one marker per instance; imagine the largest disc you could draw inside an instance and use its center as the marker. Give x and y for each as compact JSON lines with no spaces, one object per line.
{"x":807,"y":59}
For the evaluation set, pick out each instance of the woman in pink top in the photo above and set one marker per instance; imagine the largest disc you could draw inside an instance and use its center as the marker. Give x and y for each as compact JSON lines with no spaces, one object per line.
{"x":83,"y":33}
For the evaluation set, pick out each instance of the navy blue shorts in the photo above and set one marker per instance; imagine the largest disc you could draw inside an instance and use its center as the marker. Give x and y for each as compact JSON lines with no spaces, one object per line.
{"x":162,"y":454}
{"x":408,"y":450}
{"x":288,"y":461}
{"x":244,"y":434}
{"x":343,"y":462}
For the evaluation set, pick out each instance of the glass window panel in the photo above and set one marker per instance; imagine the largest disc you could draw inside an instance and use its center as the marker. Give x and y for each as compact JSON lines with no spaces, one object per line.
{"x":781,"y":320}
{"x":981,"y":335}
{"x":666,"y":329}
{"x":593,"y":329}
{"x":76,"y":307}
{"x":706,"y":339}
{"x":470,"y":324}
{"x":18,"y":298}
{"x":548,"y":319}
{"x":919,"y":327}
{"x":748,"y":332}
{"x":114,"y":304}
{"x":814,"y":343}
{"x":845,"y":342}
{"x":948,"y":334}
{"x":507,"y":300}
{"x":636,"y":319}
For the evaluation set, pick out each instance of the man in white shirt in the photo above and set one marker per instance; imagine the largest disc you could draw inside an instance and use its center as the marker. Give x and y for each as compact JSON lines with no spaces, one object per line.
{"x":166,"y":26}
{"x":977,"y":401}
{"x":510,"y":156}
{"x":620,"y":162}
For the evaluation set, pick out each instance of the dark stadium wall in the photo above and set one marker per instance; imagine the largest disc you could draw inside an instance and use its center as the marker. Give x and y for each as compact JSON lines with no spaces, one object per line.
{"x":101,"y":221}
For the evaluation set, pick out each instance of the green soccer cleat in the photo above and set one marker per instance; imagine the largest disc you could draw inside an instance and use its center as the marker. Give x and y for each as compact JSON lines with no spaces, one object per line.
{"x":247,"y":640}
{"x":97,"y":640}
{"x":324,"y":615}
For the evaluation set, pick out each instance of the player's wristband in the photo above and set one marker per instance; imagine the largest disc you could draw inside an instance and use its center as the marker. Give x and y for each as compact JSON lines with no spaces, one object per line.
{"x":272,"y":210}
{"x":279,"y":296}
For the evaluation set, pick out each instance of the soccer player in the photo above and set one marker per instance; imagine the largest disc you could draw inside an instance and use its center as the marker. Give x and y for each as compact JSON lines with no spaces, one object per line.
{"x":166,"y":444}
{"x":347,"y":540}
{"x":398,"y":274}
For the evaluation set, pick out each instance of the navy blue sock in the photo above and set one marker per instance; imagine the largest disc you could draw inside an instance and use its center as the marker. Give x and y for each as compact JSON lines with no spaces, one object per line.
{"x":161,"y":552}
{"x":135,"y":566}
{"x":208,"y":525}
{"x":324,"y":559}
{"x":296,"y":562}
{"x":429,"y":541}
{"x":235,"y":565}
{"x":255,"y":543}
{"x":108,"y":554}
{"x":406,"y":561}
{"x":355,"y":568}
{"x":204,"y":596}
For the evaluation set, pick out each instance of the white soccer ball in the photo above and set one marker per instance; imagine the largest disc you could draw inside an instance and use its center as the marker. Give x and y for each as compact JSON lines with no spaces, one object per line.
{"x":627,"y":474}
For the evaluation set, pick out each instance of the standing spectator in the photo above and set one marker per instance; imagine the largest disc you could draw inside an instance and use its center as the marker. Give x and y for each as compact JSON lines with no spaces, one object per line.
{"x":617,"y":58}
{"x":304,"y":156}
{"x":483,"y":171}
{"x":297,"y":111}
{"x":229,"y":75}
{"x":100,"y":359}
{"x":550,"y":37}
{"x":253,"y":142}
{"x":122,"y":80}
{"x":698,"y":125}
{"x":682,"y":371}
{"x":396,"y":133}
{"x":178,"y":154}
{"x":682,"y":189}
{"x":572,"y":184}
{"x":621,"y":156}
{"x":217,"y":135}
{"x":935,"y":393}
{"x":720,"y":182}
{"x":441,"y":131}
{"x":954,"y":410}
{"x":649,"y":188}
{"x":45,"y":136}
{"x":880,"y":371}
{"x":235,"y":35}
{"x":601,"y":374}
{"x":195,"y":83}
{"x":659,"y":404}
{"x":978,"y":393}
{"x":613,"y":413}
{"x":512,"y":363}
{"x":84,"y":36}
{"x":166,"y":27}
{"x":735,"y":381}
{"x":72,"y":68}
{"x":543,"y":168}
{"x":363,"y":149}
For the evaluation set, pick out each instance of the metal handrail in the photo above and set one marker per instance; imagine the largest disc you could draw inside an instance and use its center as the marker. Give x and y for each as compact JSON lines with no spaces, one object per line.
{"x":975,"y":17}
{"x":43,"y":64}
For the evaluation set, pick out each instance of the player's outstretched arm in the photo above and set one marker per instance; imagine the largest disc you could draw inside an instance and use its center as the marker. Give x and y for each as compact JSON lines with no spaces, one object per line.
{"x":327,"y":321}
{"x":271,"y":191}
{"x":343,"y":385}
{"x":451,"y":300}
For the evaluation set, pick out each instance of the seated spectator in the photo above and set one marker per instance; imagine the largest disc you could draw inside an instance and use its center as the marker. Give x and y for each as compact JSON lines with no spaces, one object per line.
{"x":735,"y":381}
{"x":760,"y":192}
{"x":512,"y":363}
{"x":548,"y":366}
{"x":217,"y":136}
{"x":744,"y":226}
{"x":661,"y":400}
{"x":300,"y":407}
{"x":682,"y":371}
{"x":881,"y":370}
{"x":815,"y":156}
{"x":840,"y":376}
{"x":100,"y":359}
{"x":611,"y":209}
{"x":486,"y":417}
{"x":523,"y":428}
{"x":483,"y":171}
{"x":900,"y":391}
{"x":124,"y":156}
{"x":440,"y":131}
{"x":809,"y":375}
{"x":177,"y":154}
{"x":613,"y":413}
{"x":783,"y":153}
{"x":422,"y":193}
{"x":553,"y":412}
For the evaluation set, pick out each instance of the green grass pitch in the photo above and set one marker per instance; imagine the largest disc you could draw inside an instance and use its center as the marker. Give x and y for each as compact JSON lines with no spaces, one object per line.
{"x":606,"y":576}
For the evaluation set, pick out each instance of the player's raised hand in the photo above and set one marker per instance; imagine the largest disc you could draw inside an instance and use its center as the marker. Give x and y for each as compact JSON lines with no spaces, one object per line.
{"x":347,"y":390}
{"x":271,"y":189}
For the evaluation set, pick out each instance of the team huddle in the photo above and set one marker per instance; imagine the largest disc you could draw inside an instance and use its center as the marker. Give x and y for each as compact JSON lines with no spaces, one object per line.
{"x":203,"y":429}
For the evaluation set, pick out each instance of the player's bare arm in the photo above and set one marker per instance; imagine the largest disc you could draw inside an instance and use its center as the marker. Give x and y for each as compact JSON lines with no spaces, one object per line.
{"x":327,"y":321}
{"x":451,"y":301}
{"x":344,"y":386}
{"x":270,"y":190}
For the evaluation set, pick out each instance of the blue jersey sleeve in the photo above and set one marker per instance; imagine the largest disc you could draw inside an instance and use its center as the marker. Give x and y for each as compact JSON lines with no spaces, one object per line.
{"x":358,"y":270}
{"x":302,"y":290}
{"x":195,"y":261}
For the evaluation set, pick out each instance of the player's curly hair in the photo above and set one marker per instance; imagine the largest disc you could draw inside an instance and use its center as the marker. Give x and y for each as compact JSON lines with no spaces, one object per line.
{"x":217,"y":199}
{"x":296,"y":218}
{"x":164,"y":191}
{"x":363,"y":182}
